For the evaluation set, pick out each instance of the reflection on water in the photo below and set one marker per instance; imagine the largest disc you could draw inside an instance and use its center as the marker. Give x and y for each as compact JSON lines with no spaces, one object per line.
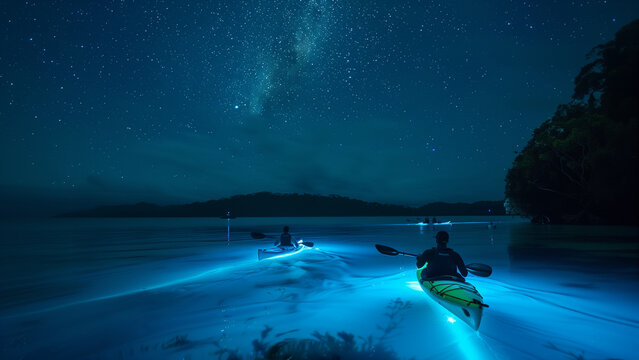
{"x":172,"y":288}
{"x":584,"y":248}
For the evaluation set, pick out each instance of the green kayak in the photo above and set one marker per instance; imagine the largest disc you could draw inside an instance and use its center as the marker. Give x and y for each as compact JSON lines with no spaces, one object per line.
{"x":458,"y":297}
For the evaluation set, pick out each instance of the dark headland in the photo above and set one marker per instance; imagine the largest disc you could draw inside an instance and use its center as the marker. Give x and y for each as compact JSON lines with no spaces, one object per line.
{"x":266,"y":204}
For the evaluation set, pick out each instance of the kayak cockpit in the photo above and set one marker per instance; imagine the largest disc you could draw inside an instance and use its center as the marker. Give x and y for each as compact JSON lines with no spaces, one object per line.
{"x":457,"y":296}
{"x":278,"y":252}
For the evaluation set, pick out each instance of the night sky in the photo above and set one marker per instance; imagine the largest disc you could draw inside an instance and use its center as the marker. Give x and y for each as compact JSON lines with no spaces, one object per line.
{"x":404,"y":102}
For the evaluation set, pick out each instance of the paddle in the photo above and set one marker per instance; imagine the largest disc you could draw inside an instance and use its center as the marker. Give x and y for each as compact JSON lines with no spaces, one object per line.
{"x":257,"y":235}
{"x":482,"y":270}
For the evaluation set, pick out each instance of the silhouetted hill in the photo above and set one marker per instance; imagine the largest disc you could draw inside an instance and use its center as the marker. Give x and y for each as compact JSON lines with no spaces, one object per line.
{"x":266,"y":204}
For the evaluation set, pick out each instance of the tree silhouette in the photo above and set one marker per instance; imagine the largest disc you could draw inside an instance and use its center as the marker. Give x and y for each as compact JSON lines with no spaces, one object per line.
{"x":581,"y":165}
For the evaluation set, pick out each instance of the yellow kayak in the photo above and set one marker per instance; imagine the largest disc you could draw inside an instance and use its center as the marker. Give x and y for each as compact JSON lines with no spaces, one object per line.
{"x":458,"y":297}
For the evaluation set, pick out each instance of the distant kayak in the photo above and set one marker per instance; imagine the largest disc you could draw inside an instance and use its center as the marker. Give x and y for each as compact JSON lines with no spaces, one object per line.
{"x":436,"y":224}
{"x":276,"y":252}
{"x":458,"y":297}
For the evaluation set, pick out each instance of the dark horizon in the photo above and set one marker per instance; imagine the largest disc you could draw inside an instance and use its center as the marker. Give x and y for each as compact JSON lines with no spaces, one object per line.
{"x":267,"y":204}
{"x":38,"y":207}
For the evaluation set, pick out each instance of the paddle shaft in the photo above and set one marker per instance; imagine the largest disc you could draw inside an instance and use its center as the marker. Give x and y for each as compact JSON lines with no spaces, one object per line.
{"x":482,"y":270}
{"x":406,"y":254}
{"x":469,"y":267}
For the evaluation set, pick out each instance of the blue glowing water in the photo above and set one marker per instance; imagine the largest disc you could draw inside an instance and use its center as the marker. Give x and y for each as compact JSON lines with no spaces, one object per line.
{"x":176,"y":288}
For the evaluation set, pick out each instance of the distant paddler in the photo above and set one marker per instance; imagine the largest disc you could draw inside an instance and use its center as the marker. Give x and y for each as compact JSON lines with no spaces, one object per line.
{"x":286,"y":240}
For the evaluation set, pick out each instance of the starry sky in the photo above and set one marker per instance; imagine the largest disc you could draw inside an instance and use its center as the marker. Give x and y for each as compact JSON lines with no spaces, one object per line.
{"x":404,"y":102}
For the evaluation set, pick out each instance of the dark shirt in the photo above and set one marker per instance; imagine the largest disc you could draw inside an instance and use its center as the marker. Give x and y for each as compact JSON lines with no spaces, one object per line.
{"x":441,"y":262}
{"x":285,"y":240}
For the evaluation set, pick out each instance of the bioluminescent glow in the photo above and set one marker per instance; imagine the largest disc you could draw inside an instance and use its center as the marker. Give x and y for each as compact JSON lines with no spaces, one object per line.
{"x":446,"y":223}
{"x":414,"y":285}
{"x":160,"y":277}
{"x":462,"y":334}
{"x":133,"y":291}
{"x":300,"y":249}
{"x":435,"y":224}
{"x":465,"y":337}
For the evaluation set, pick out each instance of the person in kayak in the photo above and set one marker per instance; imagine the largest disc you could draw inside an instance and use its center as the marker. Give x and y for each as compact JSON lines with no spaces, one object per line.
{"x":286,"y":240}
{"x":442,"y":261}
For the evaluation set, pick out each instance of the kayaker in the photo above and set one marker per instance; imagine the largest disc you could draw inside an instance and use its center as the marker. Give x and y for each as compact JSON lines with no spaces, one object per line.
{"x":442,"y":260}
{"x":286,"y":240}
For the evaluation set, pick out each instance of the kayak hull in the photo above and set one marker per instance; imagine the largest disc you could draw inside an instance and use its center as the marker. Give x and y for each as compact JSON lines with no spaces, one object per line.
{"x":458,"y":297}
{"x":277,"y":252}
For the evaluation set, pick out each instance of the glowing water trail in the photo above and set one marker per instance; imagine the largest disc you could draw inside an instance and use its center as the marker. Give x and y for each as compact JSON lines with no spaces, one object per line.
{"x":182,"y":280}
{"x":300,"y":249}
{"x":446,"y":223}
{"x":133,"y":291}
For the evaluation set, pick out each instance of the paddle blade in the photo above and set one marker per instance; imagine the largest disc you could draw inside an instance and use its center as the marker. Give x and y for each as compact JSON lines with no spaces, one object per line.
{"x":386,"y":250}
{"x":256,"y":235}
{"x":308,"y":243}
{"x":482,"y":270}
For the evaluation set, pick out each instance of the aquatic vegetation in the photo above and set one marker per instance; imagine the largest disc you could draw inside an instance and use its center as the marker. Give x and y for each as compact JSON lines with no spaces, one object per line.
{"x":230,"y":354}
{"x":260,"y":346}
{"x":393,"y":311}
{"x":325,"y":346}
{"x":328,"y":347}
{"x":177,"y":341}
{"x":321,"y":347}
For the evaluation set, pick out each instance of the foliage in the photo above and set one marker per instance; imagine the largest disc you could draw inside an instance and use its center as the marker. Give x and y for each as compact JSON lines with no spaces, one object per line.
{"x":176,"y":342}
{"x":325,"y":346}
{"x":344,"y":346}
{"x":581,"y":166}
{"x":611,"y":79}
{"x":394,"y":311}
{"x":328,"y":347}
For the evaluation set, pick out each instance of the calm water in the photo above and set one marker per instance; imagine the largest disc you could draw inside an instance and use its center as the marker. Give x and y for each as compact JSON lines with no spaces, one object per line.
{"x":178,"y":288}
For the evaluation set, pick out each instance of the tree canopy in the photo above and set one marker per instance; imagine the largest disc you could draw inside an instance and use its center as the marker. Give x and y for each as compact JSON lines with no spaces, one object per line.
{"x":581,"y":166}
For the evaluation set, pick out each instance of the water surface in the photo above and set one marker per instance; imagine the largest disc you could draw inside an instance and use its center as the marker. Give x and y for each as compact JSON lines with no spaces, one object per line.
{"x":187,"y":288}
